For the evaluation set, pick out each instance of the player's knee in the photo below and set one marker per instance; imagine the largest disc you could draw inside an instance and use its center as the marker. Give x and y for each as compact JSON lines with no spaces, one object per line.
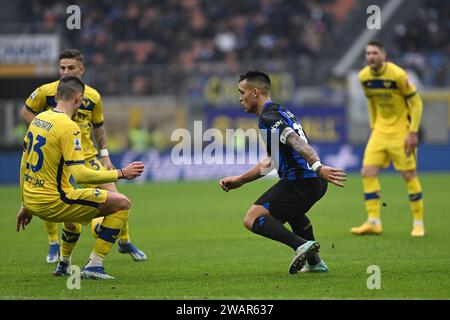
{"x":123,"y":203}
{"x":69,"y":226}
{"x":72,"y":227}
{"x":127,"y":204}
{"x":248,"y":221}
{"x":409,"y":175}
{"x":368,"y":172}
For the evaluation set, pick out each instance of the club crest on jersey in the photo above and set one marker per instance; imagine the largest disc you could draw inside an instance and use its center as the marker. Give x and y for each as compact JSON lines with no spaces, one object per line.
{"x":77,"y":144}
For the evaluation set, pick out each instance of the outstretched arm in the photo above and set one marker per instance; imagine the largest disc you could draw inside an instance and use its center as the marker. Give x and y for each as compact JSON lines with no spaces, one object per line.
{"x":82,"y":174}
{"x":330,"y":174}
{"x":254,"y":173}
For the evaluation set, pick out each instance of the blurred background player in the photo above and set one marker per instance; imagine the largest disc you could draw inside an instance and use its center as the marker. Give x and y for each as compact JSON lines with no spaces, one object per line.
{"x":90,"y":115}
{"x":303,"y":178}
{"x":395,"y":111}
{"x":53,"y":152}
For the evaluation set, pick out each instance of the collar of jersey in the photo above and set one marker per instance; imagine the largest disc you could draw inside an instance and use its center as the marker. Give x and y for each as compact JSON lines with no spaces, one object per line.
{"x":57,"y":111}
{"x":267,"y":103}
{"x":377,"y":74}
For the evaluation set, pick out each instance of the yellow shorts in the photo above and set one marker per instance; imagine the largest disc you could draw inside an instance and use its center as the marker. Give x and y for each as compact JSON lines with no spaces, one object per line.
{"x":78,"y":205}
{"x":381,"y":149}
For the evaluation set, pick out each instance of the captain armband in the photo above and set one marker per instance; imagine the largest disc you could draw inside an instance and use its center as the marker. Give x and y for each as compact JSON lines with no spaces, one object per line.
{"x":285,"y":134}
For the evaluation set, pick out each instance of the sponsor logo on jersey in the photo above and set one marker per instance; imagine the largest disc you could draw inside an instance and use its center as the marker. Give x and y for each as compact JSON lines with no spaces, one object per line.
{"x":277,"y":124}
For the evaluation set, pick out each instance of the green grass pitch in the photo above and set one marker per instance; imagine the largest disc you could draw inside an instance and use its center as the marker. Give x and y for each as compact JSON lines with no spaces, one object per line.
{"x":199,"y":249}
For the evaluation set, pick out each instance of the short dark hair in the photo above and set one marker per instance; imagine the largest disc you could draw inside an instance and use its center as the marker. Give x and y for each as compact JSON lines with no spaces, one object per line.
{"x":259,"y":77}
{"x":71,"y":54}
{"x":68,"y":87}
{"x":376,"y":43}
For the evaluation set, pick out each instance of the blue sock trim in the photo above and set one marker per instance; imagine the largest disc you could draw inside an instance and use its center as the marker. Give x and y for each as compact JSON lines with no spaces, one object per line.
{"x":371,"y":195}
{"x":70,"y":237}
{"x":108,"y":234}
{"x":259,"y":222}
{"x":415,"y":196}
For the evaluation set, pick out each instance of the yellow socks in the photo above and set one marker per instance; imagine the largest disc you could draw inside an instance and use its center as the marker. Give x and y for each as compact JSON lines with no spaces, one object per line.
{"x":372,"y":198}
{"x":415,"y":198}
{"x":95,"y":223}
{"x":52,"y":231}
{"x":109,"y":231}
{"x":124,"y":236}
{"x":70,"y":236}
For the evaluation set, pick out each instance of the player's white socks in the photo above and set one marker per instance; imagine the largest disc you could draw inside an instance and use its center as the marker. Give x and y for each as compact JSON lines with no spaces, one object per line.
{"x":122,"y":242}
{"x":53,"y":242}
{"x":374,"y":220}
{"x":65,"y":259}
{"x":94,"y":261}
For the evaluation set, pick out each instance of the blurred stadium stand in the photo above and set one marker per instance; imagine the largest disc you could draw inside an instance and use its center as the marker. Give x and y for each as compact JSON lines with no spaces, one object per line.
{"x":162,"y":64}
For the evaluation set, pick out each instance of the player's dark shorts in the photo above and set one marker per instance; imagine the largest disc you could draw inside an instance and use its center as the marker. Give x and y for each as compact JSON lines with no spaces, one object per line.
{"x":290,"y":198}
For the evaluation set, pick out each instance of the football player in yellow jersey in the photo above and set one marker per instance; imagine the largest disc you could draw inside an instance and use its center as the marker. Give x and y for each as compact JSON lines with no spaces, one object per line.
{"x":53,"y":152}
{"x":395,"y":111}
{"x":90,"y":120}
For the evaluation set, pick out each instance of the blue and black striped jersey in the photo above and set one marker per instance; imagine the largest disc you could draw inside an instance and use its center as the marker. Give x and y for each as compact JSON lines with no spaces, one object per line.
{"x":274,"y":123}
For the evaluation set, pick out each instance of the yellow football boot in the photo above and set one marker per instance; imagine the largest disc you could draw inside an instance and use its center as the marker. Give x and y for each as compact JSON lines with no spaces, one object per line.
{"x":367,"y":228}
{"x":418,"y":230}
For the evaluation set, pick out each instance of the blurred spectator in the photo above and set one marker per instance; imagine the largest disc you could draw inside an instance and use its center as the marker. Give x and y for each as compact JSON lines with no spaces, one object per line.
{"x":186,"y":34}
{"x":139,"y":139}
{"x":157,"y":139}
{"x":424,"y":40}
{"x":187,"y":31}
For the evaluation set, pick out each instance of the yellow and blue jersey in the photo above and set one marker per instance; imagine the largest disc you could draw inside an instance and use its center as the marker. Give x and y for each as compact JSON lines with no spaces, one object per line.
{"x":388,"y":92}
{"x":52,"y":143}
{"x":89,"y":114}
{"x":52,"y":151}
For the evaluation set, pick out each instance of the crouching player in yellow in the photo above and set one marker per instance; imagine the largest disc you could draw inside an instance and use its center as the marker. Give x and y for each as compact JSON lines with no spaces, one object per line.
{"x":395,"y":110}
{"x":90,"y":120}
{"x":52,"y":153}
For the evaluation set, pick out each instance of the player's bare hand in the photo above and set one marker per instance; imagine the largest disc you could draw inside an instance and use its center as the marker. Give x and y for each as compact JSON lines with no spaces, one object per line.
{"x":107,"y":163}
{"x":411,"y":142}
{"x":131,"y":171}
{"x":333,"y":175}
{"x":229,"y":183}
{"x":23,"y":218}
